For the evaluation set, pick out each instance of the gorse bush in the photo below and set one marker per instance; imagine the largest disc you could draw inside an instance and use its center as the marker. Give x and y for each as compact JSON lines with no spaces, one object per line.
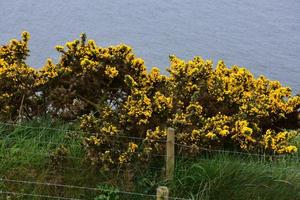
{"x":142,"y":112}
{"x":216,"y":107}
{"x":114,"y":96}
{"x":17,"y":81}
{"x":88,"y":76}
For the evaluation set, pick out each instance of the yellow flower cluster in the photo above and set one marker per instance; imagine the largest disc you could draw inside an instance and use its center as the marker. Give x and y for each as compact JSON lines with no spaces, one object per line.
{"x":243,"y":134}
{"x":109,"y":129}
{"x":111,"y":72}
{"x":278,"y":142}
{"x":152,"y":143}
{"x":94,"y":140}
{"x":212,"y":129}
{"x":127,"y":156}
{"x":161,"y":102}
{"x":138,"y":108}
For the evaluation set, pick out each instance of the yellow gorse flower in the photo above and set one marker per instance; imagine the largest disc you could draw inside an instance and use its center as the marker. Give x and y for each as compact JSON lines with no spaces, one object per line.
{"x":111,"y":72}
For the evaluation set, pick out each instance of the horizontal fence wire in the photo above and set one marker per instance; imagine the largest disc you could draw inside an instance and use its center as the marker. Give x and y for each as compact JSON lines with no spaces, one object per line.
{"x":63,"y":171}
{"x":157,"y":155}
{"x":234,"y":152}
{"x":49,"y":155}
{"x":164,"y":155}
{"x":83,"y":188}
{"x":36,"y":195}
{"x":293,"y":169}
{"x":141,"y":138}
{"x":62,"y":167}
{"x":45,"y":143}
{"x":70,"y":186}
{"x":78,"y":131}
{"x":128,"y":137}
{"x":46,"y":155}
{"x":89,"y":188}
{"x":152,"y":154}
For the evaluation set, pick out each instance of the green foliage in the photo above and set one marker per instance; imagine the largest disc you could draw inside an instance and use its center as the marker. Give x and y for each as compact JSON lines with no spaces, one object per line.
{"x":108,"y":193}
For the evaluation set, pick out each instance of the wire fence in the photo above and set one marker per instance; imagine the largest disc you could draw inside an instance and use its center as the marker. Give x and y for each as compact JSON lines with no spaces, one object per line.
{"x":22,"y":194}
{"x":83,"y":132}
{"x":139,"y":138}
{"x":221,"y":151}
{"x":82,"y":169}
{"x":76,"y":187}
{"x":237,"y":152}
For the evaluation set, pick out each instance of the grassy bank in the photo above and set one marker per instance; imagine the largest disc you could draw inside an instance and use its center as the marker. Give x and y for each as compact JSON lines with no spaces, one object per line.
{"x":43,"y":151}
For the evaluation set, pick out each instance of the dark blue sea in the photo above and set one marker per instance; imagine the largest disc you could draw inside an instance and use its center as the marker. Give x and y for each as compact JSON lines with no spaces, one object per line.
{"x":262,"y":35}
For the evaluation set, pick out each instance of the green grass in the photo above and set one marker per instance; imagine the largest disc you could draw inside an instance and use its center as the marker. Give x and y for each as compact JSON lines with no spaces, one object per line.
{"x":227,"y":176}
{"x":30,"y":143}
{"x":27,"y":153}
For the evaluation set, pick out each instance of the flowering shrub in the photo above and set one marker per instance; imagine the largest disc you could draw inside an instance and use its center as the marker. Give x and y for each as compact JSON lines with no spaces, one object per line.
{"x":118,"y":128}
{"x":17,"y":81}
{"x":229,"y":106}
{"x":88,"y":76}
{"x":211,"y":108}
{"x":120,"y":102}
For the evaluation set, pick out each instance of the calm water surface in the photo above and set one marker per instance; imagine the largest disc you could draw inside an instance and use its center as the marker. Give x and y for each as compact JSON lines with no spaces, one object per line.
{"x":263,"y":35}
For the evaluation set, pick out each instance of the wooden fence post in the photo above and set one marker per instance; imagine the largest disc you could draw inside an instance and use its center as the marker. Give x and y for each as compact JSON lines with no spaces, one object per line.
{"x":20,"y":117}
{"x":170,"y":160}
{"x":162,"y":193}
